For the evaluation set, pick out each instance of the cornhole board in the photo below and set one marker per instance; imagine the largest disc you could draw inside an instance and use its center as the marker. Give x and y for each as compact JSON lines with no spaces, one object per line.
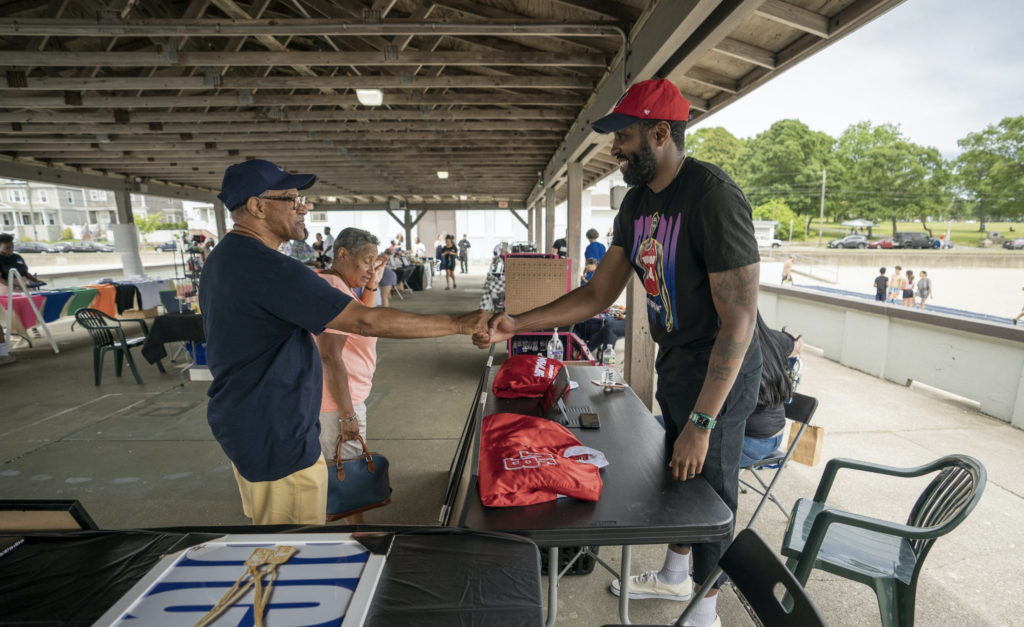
{"x":329,"y":580}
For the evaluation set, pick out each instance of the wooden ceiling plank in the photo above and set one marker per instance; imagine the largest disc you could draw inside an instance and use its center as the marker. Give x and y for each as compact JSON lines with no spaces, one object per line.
{"x":795,"y":17}
{"x":712,"y":79}
{"x":751,"y":54}
{"x":293,"y":58}
{"x":307,"y":82}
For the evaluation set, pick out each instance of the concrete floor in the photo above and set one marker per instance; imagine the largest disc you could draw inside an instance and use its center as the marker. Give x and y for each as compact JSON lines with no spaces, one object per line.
{"x":141,"y":456}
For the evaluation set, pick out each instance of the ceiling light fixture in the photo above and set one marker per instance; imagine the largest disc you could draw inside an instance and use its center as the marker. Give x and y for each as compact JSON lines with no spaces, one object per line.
{"x":442,"y":174}
{"x":463,"y":197}
{"x":370,"y":97}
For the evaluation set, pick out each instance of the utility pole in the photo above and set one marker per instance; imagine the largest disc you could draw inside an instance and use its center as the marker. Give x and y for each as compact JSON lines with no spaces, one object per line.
{"x":821,"y":218}
{"x":31,"y":212}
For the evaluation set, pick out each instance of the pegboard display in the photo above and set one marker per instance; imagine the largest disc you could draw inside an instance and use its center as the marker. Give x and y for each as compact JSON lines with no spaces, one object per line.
{"x":530,"y":283}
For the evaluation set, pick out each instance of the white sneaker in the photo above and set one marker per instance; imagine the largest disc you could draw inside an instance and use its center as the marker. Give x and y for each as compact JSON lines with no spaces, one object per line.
{"x":648,"y":586}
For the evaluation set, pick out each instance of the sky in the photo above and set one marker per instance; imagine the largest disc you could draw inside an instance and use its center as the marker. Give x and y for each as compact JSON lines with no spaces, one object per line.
{"x":940,"y":69}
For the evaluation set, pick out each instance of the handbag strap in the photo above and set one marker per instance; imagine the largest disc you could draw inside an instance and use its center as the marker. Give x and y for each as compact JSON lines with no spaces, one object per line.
{"x":370,"y":466}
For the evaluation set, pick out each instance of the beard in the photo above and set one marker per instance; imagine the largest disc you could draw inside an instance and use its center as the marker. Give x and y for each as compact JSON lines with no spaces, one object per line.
{"x":641,"y":166}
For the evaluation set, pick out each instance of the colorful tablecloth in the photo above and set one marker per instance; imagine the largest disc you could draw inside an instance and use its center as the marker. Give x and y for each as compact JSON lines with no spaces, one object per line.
{"x":22,"y":309}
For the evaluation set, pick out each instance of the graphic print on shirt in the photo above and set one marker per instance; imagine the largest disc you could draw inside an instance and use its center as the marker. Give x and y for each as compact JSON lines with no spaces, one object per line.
{"x":649,"y":256}
{"x":528,"y":459}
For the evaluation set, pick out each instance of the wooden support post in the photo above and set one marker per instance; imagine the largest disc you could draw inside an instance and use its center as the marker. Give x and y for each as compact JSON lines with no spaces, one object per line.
{"x":123,"y":200}
{"x":549,"y":221}
{"x":575,"y":214}
{"x":639,"y":361}
{"x":126,"y":236}
{"x":520,"y":218}
{"x":220,"y":213}
{"x":531,"y":224}
{"x":408,"y":230}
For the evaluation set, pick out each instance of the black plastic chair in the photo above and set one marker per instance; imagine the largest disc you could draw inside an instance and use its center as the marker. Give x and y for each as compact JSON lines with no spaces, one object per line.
{"x":800,"y":410}
{"x":108,"y":335}
{"x":883,"y":555}
{"x":756,"y":571}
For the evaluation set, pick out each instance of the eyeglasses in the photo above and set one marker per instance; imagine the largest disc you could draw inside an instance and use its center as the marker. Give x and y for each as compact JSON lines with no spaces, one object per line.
{"x":296,"y":200}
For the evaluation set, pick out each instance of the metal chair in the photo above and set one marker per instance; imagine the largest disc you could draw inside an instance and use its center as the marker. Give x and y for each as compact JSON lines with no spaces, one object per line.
{"x":800,"y":410}
{"x":756,"y":571}
{"x":883,"y":555}
{"x":107,"y":335}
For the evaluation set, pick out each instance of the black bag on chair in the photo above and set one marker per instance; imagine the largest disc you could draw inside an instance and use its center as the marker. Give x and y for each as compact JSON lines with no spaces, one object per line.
{"x":360,"y":486}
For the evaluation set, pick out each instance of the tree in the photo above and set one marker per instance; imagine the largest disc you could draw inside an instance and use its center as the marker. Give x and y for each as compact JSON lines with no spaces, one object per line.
{"x":716,"y":145}
{"x":777,"y":210}
{"x":785,"y":162}
{"x":879,"y":174}
{"x":150,"y":223}
{"x":990,"y":171}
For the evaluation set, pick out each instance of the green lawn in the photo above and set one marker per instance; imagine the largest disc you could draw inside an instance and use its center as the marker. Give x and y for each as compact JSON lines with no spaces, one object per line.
{"x":963,"y":234}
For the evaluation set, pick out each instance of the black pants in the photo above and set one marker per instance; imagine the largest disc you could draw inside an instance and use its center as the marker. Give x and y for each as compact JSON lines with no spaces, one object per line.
{"x":722,"y":464}
{"x":464,"y":264}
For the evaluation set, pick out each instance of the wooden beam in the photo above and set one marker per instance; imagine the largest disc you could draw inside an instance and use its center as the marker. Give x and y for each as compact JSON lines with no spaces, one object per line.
{"x":246,"y":27}
{"x":746,"y":52}
{"x":107,"y":117}
{"x":796,"y":17}
{"x":575,"y":216}
{"x":259,"y":127}
{"x":638,"y":369}
{"x":606,"y":9}
{"x":711,"y":79}
{"x":518,"y":217}
{"x":305,"y":82}
{"x":158,"y":58}
{"x":90,"y":101}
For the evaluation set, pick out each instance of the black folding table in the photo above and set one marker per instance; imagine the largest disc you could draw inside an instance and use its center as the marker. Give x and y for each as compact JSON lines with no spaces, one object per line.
{"x":640,"y":502}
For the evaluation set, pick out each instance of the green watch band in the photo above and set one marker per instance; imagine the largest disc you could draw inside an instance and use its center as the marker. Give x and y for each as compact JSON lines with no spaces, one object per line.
{"x":703,"y":421}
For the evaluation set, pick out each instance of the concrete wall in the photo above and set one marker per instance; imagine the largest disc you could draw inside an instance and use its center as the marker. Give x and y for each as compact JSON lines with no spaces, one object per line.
{"x":980,"y":361}
{"x":928,"y":259}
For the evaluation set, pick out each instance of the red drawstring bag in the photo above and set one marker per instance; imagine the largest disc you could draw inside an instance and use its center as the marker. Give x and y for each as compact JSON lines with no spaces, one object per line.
{"x":525,"y":376}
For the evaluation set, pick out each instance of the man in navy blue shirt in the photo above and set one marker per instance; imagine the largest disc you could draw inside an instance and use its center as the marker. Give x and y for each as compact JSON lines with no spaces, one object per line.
{"x":260,"y":311}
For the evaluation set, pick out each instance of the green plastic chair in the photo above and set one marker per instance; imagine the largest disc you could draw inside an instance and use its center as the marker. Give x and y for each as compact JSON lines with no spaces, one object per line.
{"x":883,"y":555}
{"x":107,"y":335}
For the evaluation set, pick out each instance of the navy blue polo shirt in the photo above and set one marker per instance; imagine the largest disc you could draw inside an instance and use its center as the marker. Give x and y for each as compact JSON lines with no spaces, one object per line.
{"x":260,"y":311}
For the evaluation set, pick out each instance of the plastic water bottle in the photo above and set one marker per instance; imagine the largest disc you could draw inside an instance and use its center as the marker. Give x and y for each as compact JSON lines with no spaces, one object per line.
{"x":608,"y":356}
{"x":555,"y":349}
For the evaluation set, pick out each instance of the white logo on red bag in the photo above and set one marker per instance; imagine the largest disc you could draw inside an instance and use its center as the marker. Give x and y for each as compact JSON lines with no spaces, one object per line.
{"x":538,"y":370}
{"x":527,"y":459}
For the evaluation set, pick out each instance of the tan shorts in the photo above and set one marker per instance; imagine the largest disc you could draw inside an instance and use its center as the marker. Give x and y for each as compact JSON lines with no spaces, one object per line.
{"x":330,"y":431}
{"x":300,"y":498}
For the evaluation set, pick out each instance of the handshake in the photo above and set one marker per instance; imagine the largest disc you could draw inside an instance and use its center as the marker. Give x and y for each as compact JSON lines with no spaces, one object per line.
{"x":486,"y":328}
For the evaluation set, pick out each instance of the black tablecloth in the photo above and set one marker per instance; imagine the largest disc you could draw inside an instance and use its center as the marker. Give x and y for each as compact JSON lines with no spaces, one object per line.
{"x":433,"y":576}
{"x":172,"y":327}
{"x":413,"y":277}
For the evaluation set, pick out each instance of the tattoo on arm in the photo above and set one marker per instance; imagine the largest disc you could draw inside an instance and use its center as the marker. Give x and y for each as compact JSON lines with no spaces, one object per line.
{"x":737,"y":287}
{"x":719,"y":371}
{"x":729,"y":347}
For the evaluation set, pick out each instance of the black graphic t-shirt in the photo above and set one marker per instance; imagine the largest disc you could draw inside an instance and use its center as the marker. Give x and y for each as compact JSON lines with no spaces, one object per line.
{"x":701,"y":223}
{"x":880,"y":283}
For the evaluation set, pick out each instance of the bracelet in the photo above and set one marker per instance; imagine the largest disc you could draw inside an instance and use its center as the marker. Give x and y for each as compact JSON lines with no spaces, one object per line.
{"x":372,"y":289}
{"x":348,"y":419}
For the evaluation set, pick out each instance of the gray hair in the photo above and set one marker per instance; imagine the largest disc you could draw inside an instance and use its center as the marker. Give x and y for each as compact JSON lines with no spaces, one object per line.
{"x":352,"y":239}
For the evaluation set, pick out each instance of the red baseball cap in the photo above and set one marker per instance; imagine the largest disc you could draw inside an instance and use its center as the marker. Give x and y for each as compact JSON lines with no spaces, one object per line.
{"x":654,"y":99}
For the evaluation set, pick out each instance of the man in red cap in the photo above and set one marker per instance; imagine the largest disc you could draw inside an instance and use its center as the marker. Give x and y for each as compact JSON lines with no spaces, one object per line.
{"x":686,"y":230}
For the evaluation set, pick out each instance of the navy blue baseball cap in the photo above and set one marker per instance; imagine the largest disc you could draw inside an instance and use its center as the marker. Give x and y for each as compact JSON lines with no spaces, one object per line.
{"x":242,"y":181}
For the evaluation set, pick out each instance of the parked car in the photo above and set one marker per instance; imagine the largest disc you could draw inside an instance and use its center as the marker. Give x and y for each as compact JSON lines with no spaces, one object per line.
{"x":34,"y":247}
{"x":1014,"y":244}
{"x":850,"y":241}
{"x":90,"y":247}
{"x":64,"y":247}
{"x":776,"y":243}
{"x":913,"y":240}
{"x":166,"y":247}
{"x":885,"y":242}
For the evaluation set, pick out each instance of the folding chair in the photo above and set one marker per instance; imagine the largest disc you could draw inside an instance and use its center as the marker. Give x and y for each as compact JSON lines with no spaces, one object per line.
{"x":800,"y":410}
{"x":755,"y":571}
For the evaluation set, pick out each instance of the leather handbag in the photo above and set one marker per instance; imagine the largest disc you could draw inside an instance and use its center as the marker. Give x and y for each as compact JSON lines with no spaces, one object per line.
{"x":357,"y":485}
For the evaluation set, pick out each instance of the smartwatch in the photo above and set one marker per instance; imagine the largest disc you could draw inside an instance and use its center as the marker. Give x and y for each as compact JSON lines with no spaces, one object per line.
{"x":703,"y":421}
